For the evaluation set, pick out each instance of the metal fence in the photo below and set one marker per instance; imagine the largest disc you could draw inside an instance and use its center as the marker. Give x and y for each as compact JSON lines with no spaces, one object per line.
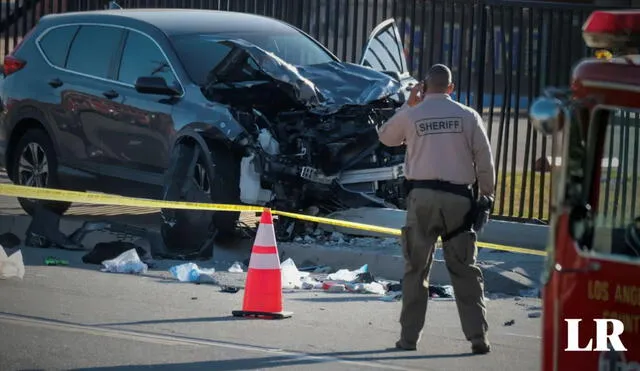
{"x":502,"y":53}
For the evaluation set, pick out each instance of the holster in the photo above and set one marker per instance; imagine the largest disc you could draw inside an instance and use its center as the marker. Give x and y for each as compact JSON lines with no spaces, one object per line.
{"x":478,"y":214}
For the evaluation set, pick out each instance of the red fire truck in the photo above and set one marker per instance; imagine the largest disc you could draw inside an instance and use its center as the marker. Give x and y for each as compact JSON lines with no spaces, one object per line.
{"x":593,"y":257}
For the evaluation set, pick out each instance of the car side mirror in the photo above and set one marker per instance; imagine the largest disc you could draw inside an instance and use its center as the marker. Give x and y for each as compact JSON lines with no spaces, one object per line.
{"x":154,"y":85}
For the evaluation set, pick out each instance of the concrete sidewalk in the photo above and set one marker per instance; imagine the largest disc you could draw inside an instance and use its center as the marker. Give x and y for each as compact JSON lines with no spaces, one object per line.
{"x":507,"y":273}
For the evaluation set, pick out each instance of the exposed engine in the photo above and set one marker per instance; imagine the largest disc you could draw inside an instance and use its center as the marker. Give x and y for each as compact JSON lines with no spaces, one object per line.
{"x":299,"y":159}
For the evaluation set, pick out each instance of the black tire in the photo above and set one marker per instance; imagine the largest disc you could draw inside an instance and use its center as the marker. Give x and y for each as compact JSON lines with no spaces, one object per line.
{"x":37,"y":140}
{"x":191,"y":228}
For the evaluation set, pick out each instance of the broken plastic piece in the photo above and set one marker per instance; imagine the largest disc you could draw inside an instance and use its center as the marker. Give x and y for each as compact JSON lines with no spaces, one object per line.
{"x":190,"y":272}
{"x":52,"y":260}
{"x":127,"y":262}
{"x":236,"y":268}
{"x":291,"y":276}
{"x":11,"y":266}
{"x":347,"y":275}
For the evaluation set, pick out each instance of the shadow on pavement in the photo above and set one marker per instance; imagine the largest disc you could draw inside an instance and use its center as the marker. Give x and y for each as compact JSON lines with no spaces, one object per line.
{"x":288,"y":361}
{"x":339,"y":299}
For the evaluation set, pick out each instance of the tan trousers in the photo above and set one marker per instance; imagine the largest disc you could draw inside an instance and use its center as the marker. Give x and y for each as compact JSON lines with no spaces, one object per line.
{"x":431,"y":214}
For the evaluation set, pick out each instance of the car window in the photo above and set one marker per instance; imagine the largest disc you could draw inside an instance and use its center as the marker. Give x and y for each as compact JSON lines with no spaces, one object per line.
{"x":196,"y":61}
{"x":55,"y":44}
{"x":93,"y":49}
{"x":141,"y":57}
{"x":384,"y":52}
{"x":201,"y":53}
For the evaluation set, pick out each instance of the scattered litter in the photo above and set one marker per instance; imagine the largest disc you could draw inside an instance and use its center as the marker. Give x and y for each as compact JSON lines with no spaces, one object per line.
{"x":535,"y":314}
{"x":127,"y":262}
{"x":347,"y":275}
{"x":9,"y":240}
{"x":534,"y":308}
{"x":373,"y":288}
{"x":11,"y":266}
{"x":52,"y":260}
{"x":330,"y":286}
{"x":395,"y":287}
{"x":229,"y":289}
{"x":236,"y":268}
{"x":110,"y":250}
{"x":190,"y":272}
{"x":292,"y":278}
{"x":445,"y":291}
{"x":194,"y":298}
{"x":510,"y":323}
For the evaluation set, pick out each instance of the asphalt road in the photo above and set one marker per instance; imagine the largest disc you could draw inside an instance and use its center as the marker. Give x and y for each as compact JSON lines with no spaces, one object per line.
{"x":77,"y":317}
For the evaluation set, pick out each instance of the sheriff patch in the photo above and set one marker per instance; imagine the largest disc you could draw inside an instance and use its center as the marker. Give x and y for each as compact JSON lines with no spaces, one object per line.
{"x":444,"y":125}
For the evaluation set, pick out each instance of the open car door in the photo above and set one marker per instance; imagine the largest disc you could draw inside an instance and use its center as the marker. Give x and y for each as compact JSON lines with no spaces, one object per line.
{"x":384,"y":52}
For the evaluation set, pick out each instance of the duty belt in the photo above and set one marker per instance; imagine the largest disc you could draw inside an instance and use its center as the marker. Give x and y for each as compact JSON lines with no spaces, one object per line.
{"x":467,"y":191}
{"x":441,"y":185}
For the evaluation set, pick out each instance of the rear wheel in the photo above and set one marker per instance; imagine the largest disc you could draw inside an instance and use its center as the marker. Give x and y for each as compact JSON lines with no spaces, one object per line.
{"x":217,"y":182}
{"x":34,"y":164}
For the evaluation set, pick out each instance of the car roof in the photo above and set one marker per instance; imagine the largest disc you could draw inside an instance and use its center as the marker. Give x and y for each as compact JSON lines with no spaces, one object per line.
{"x":180,"y":21}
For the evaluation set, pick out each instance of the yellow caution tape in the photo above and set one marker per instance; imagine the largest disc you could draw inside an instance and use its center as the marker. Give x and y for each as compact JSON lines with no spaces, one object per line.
{"x":50,"y":194}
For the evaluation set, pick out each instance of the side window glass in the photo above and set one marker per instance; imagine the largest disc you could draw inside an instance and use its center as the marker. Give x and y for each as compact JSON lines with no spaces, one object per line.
{"x":55,"y":44}
{"x":93,"y":49}
{"x":618,"y":219}
{"x":141,"y":57}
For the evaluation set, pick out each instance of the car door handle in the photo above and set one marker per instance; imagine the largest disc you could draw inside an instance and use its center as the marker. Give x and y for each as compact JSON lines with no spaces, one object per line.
{"x":55,"y":83}
{"x":110,"y":94}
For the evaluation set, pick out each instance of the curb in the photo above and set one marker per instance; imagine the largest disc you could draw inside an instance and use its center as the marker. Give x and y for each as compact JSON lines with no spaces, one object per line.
{"x":500,"y":275}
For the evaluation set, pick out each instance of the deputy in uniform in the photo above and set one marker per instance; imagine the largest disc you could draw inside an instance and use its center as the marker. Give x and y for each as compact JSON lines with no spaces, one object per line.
{"x":447,"y":153}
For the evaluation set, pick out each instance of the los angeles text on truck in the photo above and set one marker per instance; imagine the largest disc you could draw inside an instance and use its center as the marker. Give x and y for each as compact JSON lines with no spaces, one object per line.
{"x":593,"y":262}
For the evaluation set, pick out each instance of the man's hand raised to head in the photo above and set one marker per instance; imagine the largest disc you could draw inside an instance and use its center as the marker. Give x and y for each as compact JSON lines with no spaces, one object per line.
{"x":417,"y":95}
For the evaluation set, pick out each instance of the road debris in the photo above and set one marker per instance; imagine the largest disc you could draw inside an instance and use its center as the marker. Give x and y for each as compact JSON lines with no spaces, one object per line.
{"x":510,"y":322}
{"x":11,"y":266}
{"x":127,"y":262}
{"x":9,"y":240}
{"x":110,"y":250}
{"x":236,"y":268}
{"x":535,"y":314}
{"x":52,"y":260}
{"x":190,"y":272}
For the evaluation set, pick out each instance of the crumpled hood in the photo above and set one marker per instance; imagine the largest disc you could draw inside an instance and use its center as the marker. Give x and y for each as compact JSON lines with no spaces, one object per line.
{"x":323,"y":89}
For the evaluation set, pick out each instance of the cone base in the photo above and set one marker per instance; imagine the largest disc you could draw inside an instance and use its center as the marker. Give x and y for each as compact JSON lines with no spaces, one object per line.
{"x":266,"y":315}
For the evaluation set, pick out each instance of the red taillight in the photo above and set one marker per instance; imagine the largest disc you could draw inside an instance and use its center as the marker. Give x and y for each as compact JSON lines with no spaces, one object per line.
{"x":12,"y":65}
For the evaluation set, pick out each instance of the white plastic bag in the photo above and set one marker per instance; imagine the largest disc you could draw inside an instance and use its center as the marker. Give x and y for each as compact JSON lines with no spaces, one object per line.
{"x":190,"y":272}
{"x":11,"y":266}
{"x":127,"y":262}
{"x":291,"y":276}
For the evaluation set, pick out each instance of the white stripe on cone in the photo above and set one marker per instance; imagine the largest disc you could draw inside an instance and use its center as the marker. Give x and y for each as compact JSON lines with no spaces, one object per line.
{"x":265,"y":236}
{"x":264,"y":261}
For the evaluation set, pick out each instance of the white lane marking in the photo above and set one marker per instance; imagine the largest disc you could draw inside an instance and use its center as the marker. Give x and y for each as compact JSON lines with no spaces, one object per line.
{"x":175,"y":340}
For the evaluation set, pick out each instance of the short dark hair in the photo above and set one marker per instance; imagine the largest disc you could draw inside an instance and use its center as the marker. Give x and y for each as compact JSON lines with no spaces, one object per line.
{"x":439,"y":76}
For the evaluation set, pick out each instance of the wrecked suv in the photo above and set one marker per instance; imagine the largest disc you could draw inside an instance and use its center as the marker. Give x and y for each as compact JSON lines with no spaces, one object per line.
{"x":202,"y":106}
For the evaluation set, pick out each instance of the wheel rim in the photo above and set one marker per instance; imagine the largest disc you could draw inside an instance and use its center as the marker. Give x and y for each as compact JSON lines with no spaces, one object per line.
{"x":33,"y":167}
{"x":202,"y":179}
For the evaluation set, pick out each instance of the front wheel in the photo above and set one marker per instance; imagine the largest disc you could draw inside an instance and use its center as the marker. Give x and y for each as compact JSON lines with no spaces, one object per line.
{"x":215,"y":182}
{"x":34,"y":164}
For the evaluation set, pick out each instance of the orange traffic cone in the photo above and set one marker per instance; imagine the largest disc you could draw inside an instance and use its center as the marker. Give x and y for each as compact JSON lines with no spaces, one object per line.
{"x":263,"y":288}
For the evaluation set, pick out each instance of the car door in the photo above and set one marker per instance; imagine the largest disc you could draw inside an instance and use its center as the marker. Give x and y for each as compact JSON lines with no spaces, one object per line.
{"x":139,"y":140}
{"x":87,"y":93}
{"x":384,"y":52}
